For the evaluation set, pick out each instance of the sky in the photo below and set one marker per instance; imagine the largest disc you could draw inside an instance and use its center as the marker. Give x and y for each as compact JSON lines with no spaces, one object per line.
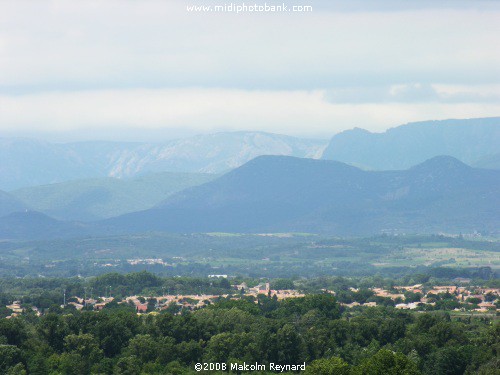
{"x":150,"y":70}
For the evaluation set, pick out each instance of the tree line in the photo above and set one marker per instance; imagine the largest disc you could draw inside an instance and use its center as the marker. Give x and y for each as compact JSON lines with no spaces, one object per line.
{"x":314,"y":329}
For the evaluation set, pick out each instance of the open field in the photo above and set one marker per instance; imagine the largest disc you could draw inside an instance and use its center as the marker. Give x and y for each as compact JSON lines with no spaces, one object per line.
{"x":442,"y":256}
{"x":258,"y":255}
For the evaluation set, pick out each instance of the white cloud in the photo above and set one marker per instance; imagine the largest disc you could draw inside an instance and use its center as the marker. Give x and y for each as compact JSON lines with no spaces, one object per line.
{"x":416,"y":93}
{"x":116,"y":64}
{"x":305,"y":113}
{"x":65,"y":44}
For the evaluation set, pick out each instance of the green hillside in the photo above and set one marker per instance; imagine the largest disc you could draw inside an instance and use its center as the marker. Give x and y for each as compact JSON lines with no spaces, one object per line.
{"x":284,"y":194}
{"x":93,"y":199}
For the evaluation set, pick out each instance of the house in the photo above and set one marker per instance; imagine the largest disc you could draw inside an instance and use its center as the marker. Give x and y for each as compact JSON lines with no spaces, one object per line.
{"x":407,"y":306}
{"x":15,"y":307}
{"x":264,"y":288}
{"x":90,"y":301}
{"x":353,"y":304}
{"x":478,"y":296}
{"x":486,"y":305}
{"x":78,"y":306}
{"x":444,"y":289}
{"x":99,"y":306}
{"x":242,"y":286}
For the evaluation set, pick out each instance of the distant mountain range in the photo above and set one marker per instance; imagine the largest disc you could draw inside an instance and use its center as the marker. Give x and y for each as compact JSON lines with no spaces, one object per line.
{"x":489,"y":162}
{"x":287,"y":194}
{"x":28,"y":225}
{"x":28,"y":162}
{"x":273,"y":193}
{"x":371,"y":185}
{"x":474,"y":141}
{"x":100,"y":198}
{"x":9,"y":204}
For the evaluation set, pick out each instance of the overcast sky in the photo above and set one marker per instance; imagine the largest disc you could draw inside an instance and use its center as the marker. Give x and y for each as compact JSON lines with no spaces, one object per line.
{"x":138,"y":69}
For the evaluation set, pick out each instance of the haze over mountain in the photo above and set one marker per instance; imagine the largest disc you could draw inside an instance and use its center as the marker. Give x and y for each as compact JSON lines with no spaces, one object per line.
{"x":489,"y":162}
{"x":35,"y":225}
{"x":278,"y":193}
{"x":9,"y":204}
{"x":287,"y":194}
{"x":28,"y":162}
{"x":473,"y":141}
{"x":94,"y":199}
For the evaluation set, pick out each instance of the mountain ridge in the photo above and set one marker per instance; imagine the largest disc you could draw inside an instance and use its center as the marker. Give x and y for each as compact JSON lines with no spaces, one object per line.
{"x":273,"y":194}
{"x":279,"y":193}
{"x":100,"y":198}
{"x":401,"y":147}
{"x":28,"y":162}
{"x":10,"y":204}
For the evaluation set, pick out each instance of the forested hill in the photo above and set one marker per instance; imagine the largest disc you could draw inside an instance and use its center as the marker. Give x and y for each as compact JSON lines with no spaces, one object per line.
{"x":273,"y":193}
{"x":100,"y":198}
{"x":285,"y":194}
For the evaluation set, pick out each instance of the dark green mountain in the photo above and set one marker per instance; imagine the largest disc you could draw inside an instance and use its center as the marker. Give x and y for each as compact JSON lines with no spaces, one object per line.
{"x":277,"y":194}
{"x":95,"y":199}
{"x":470,"y":141}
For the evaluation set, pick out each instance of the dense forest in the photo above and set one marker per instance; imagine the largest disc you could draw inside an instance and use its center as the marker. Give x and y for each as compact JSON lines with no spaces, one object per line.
{"x":314,"y":329}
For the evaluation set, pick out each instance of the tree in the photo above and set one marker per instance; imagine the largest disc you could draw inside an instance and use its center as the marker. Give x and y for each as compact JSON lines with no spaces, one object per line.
{"x":328,"y":366}
{"x":113,"y":334}
{"x":128,"y":366}
{"x":391,"y":330}
{"x":473,"y":300}
{"x":72,"y":364}
{"x":144,"y":348}
{"x":14,"y":330}
{"x":282,"y":284}
{"x":291,"y":348}
{"x":220,"y":347}
{"x":10,"y":356}
{"x":412,"y":297}
{"x":386,"y":362}
{"x":83,"y":349}
{"x":189,"y":351}
{"x":450,"y":360}
{"x":152,"y":304}
{"x":18,"y":369}
{"x":54,"y":328}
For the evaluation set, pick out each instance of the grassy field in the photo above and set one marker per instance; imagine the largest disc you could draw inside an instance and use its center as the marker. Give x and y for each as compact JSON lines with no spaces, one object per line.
{"x":256,"y":254}
{"x":441,"y":256}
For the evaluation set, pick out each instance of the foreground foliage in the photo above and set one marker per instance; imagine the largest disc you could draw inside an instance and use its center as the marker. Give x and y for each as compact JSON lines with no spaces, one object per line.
{"x":313,"y":329}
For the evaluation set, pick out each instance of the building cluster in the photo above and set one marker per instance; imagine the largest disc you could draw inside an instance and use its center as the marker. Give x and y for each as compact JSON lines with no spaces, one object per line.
{"x":17,"y":309}
{"x":480,"y":299}
{"x":185,"y":301}
{"x":149,"y":261}
{"x":484,"y":299}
